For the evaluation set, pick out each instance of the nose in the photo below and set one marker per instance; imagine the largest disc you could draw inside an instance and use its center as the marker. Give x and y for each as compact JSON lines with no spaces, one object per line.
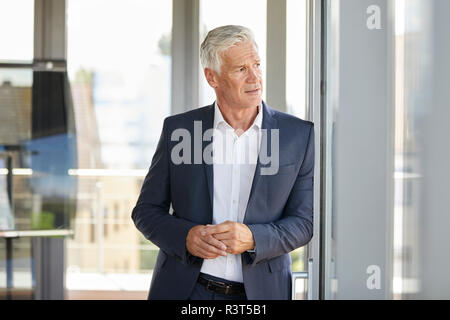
{"x":253,"y":75}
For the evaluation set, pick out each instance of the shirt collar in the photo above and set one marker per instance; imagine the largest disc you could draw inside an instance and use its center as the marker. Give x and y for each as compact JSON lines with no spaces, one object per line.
{"x":218,"y":118}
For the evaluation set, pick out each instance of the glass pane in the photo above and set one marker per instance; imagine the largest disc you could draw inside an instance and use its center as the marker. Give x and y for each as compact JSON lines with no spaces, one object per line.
{"x":420,"y":157}
{"x":121,"y":92}
{"x":16,"y":30}
{"x":19,"y":284}
{"x":216,"y":13}
{"x":387,"y":175}
{"x":301,"y":288}
{"x":36,"y":149}
{"x":15,"y":105}
{"x":299,"y":259}
{"x":410,"y":42}
{"x":296,"y":86}
{"x":15,"y":130}
{"x":296,"y":55}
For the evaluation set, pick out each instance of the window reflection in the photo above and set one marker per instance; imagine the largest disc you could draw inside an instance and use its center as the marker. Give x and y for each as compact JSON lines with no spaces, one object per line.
{"x":37,"y":147}
{"x":15,"y":129}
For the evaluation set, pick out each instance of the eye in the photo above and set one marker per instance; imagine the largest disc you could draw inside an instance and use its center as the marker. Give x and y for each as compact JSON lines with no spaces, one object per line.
{"x":241,"y":69}
{"x":258,"y":65}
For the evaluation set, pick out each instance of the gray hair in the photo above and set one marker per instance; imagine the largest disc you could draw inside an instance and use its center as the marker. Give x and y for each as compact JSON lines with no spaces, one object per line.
{"x":219,"y":40}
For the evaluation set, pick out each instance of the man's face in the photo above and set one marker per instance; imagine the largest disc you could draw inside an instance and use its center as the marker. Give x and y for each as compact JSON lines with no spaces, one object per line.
{"x":240,"y":83}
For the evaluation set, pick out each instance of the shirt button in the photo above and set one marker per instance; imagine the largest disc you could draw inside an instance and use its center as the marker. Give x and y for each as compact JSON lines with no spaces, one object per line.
{"x":230,"y":261}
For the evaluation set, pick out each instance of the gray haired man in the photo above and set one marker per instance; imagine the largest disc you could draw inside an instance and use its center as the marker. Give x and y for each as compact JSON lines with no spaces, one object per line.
{"x":232,"y":226}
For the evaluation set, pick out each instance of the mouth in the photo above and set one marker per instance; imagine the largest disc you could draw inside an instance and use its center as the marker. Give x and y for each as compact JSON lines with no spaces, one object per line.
{"x":255,"y":91}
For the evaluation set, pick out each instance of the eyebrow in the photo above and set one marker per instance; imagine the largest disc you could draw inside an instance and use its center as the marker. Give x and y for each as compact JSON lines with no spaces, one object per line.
{"x":243,"y":65}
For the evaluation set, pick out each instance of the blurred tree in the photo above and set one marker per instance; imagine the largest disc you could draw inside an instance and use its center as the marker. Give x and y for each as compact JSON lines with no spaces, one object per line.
{"x":165,"y":43}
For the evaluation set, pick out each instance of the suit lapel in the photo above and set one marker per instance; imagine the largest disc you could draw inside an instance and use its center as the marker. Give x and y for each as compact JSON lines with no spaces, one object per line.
{"x":269,"y":122}
{"x":207,"y":123}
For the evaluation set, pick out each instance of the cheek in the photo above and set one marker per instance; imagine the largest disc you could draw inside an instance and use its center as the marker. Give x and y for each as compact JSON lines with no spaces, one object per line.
{"x":238,"y":87}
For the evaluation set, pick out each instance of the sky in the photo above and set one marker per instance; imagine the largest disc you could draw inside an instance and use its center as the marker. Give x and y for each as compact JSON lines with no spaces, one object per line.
{"x":17,"y":15}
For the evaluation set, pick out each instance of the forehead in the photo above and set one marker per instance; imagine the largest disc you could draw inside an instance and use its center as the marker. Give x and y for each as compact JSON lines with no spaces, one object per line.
{"x":240,"y":54}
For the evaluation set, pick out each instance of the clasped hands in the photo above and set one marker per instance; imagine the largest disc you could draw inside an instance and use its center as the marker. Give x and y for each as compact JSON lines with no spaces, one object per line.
{"x":211,"y":241}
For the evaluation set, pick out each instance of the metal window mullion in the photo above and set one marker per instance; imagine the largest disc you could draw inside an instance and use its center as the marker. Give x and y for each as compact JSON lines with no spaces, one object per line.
{"x":185,"y":55}
{"x":276,"y":54}
{"x":314,"y":113}
{"x":50,"y":30}
{"x":48,"y":254}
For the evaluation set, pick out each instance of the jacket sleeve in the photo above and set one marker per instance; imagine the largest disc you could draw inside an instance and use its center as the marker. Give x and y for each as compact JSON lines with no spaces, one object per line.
{"x":151,"y":213}
{"x":295,"y":228}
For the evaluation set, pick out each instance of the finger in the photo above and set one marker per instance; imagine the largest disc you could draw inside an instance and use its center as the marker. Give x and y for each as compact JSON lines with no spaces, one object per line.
{"x":211,"y":249}
{"x":205,"y":254}
{"x":218,"y":228}
{"x":199,"y":242}
{"x":215,"y":242}
{"x":232,"y":246}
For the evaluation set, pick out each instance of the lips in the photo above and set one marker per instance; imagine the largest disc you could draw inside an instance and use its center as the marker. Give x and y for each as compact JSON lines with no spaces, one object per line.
{"x":253,"y":91}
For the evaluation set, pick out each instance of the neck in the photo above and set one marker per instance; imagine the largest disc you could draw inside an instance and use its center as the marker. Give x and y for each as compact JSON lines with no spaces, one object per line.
{"x":238,"y":117}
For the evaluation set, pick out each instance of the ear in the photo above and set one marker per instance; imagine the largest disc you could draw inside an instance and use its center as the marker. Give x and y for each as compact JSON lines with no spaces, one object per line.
{"x":211,"y":77}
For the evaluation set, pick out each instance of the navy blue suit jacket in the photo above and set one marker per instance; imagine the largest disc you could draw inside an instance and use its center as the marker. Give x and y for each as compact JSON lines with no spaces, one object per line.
{"x":279,"y":211}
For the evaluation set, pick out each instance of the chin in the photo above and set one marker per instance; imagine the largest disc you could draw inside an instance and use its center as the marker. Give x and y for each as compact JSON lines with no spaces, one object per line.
{"x":256,"y":102}
{"x":252,"y":102}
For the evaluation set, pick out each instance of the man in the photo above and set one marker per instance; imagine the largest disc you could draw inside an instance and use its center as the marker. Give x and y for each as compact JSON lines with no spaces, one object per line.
{"x":236,"y":218}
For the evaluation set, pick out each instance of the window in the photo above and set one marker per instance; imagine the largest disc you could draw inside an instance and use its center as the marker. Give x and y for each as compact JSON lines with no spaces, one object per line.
{"x":385,"y":150}
{"x":296,"y":55}
{"x":119,"y":66}
{"x":16,"y":30}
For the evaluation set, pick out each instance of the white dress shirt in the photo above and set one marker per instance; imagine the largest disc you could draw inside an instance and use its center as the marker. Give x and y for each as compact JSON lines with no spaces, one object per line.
{"x":234,"y":161}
